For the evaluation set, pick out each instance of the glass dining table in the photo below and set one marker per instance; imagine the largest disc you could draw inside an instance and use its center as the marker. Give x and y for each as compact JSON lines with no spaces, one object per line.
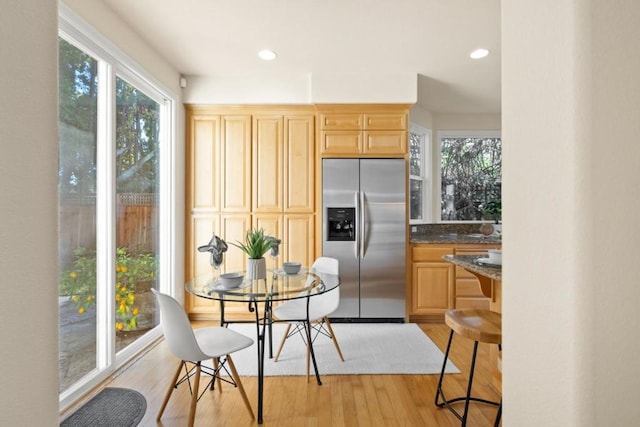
{"x":259,"y":296}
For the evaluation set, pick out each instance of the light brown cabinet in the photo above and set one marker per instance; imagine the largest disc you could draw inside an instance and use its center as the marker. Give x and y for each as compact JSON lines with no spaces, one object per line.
{"x":363,"y":130}
{"x":438,"y":286}
{"x":468,"y":292}
{"x":235,"y":164}
{"x":248,"y":167}
{"x":432,"y":280}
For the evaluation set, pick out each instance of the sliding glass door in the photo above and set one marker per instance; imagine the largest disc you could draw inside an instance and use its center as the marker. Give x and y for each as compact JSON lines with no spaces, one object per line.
{"x":115,"y":215}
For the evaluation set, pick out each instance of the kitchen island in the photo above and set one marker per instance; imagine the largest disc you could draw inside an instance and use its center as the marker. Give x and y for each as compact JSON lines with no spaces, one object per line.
{"x":490,"y":278}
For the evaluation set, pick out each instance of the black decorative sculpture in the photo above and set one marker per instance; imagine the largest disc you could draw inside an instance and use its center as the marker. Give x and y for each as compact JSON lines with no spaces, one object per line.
{"x":217,"y":247}
{"x":275,"y":246}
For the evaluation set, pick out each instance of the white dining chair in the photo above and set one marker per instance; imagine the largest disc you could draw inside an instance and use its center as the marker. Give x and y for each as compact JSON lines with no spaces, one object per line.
{"x":320,"y":307}
{"x":193,"y":346}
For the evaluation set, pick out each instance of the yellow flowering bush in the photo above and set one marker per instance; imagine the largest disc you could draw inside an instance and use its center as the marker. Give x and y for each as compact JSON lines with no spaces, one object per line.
{"x":79,"y":283}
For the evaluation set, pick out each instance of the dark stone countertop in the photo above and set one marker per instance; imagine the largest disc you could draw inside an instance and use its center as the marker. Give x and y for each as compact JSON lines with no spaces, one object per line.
{"x":455,"y":238}
{"x":470,"y":263}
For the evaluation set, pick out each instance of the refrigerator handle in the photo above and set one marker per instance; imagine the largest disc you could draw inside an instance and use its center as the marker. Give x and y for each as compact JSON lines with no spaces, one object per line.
{"x":363,"y":230}
{"x":356,"y":245}
{"x":357,"y":230}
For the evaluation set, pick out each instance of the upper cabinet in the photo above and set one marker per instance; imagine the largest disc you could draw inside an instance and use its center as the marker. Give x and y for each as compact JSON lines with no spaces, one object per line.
{"x":267,"y":165}
{"x":235,"y":167}
{"x":283,"y":163}
{"x":299,"y":163}
{"x":363,"y":130}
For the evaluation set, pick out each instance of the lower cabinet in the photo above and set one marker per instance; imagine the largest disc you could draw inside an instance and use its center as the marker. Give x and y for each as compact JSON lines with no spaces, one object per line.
{"x":432,"y":280}
{"x":438,"y":286}
{"x":468,"y":292}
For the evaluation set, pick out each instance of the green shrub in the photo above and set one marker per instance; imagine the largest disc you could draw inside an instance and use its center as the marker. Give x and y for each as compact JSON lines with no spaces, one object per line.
{"x":79,"y":283}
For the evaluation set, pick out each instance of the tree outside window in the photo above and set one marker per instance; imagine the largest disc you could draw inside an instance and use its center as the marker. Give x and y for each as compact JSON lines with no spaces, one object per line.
{"x":471,"y":177}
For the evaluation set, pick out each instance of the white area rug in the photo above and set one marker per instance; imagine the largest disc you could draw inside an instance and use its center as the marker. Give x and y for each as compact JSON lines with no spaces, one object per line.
{"x":368,"y":348}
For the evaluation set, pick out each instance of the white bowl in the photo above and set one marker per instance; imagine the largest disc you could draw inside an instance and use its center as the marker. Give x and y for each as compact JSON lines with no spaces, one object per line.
{"x":495,"y":256}
{"x":231,"y":280}
{"x":291,"y":267}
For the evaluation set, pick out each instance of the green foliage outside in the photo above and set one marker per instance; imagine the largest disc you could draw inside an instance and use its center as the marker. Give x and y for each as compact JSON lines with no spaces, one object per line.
{"x":471,"y":177}
{"x":79,"y":283}
{"x":136,"y":133}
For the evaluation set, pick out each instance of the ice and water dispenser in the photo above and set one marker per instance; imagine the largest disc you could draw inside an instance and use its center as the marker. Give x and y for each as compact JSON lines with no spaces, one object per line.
{"x":341,"y":224}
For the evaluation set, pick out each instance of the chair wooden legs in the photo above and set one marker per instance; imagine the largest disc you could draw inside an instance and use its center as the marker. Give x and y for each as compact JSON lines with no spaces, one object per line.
{"x":284,"y":338}
{"x":333,"y":337}
{"x":172,"y":386}
{"x":236,"y":378}
{"x":217,"y":378}
{"x":196,"y":387}
{"x":194,"y":395}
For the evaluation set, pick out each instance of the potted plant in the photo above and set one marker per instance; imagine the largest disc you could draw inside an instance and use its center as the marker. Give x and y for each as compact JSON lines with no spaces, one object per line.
{"x":255,"y":245}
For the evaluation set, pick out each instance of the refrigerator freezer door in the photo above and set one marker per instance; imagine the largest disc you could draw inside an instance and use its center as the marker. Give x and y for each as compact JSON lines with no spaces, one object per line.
{"x":383,"y":264}
{"x":340,"y":186}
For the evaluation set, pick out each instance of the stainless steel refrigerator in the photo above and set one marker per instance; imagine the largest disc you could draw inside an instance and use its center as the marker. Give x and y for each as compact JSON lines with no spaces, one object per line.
{"x":364,"y":227}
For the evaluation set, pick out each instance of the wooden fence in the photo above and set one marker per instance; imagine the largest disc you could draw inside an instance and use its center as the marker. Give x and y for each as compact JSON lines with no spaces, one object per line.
{"x":136,"y":224}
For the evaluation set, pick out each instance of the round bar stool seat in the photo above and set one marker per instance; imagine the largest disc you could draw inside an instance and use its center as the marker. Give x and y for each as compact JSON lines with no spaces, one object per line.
{"x":479,"y":326}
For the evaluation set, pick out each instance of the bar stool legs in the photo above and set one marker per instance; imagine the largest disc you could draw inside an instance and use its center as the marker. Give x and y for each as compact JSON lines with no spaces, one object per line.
{"x":468,"y":398}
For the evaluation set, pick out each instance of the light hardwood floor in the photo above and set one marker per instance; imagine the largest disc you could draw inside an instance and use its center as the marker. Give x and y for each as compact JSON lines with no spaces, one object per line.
{"x":342,"y":400}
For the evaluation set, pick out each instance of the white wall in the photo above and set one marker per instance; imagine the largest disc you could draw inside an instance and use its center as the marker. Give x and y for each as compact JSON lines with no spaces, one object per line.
{"x":571,"y":76}
{"x":421,"y":116}
{"x":467,"y":121}
{"x":28,"y":218}
{"x":319,"y":88}
{"x":113,"y":28}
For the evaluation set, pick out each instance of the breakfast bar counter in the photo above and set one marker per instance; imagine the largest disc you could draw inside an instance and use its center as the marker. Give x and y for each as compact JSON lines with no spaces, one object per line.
{"x":486,"y":274}
{"x":490,"y":278}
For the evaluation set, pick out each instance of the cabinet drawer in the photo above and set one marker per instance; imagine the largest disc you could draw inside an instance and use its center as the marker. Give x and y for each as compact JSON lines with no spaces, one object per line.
{"x":427,"y":253}
{"x":344,"y":121}
{"x":385,"y":121}
{"x":468,"y":288}
{"x":478,"y":303}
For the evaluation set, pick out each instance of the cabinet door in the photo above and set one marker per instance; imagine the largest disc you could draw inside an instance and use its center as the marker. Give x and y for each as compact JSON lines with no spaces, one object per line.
{"x":235,"y":168}
{"x":385,"y":142}
{"x":201,"y":228}
{"x":341,"y":142}
{"x":203,"y":163}
{"x":299,"y":242}
{"x":232,"y":229}
{"x":299,"y":164}
{"x":267,"y":163}
{"x":432,"y":288}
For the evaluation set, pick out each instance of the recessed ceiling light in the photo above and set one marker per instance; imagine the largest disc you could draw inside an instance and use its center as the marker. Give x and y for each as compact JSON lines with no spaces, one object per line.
{"x":479,"y":53}
{"x":267,"y":55}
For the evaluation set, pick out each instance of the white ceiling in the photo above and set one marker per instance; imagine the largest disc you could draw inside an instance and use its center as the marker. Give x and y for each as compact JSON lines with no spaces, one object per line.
{"x":431,"y":38}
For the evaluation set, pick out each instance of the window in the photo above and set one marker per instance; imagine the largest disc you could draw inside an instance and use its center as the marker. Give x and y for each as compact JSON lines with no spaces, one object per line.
{"x":470,"y":174}
{"x":419,"y":171}
{"x":116,"y":139}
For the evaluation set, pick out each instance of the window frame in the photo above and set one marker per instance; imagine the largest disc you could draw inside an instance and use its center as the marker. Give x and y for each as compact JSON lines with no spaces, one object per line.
{"x":426,"y":177}
{"x":445,"y":134}
{"x":112,"y":62}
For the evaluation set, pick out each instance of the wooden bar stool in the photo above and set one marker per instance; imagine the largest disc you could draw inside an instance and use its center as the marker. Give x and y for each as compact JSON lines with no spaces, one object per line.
{"x":479,"y":326}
